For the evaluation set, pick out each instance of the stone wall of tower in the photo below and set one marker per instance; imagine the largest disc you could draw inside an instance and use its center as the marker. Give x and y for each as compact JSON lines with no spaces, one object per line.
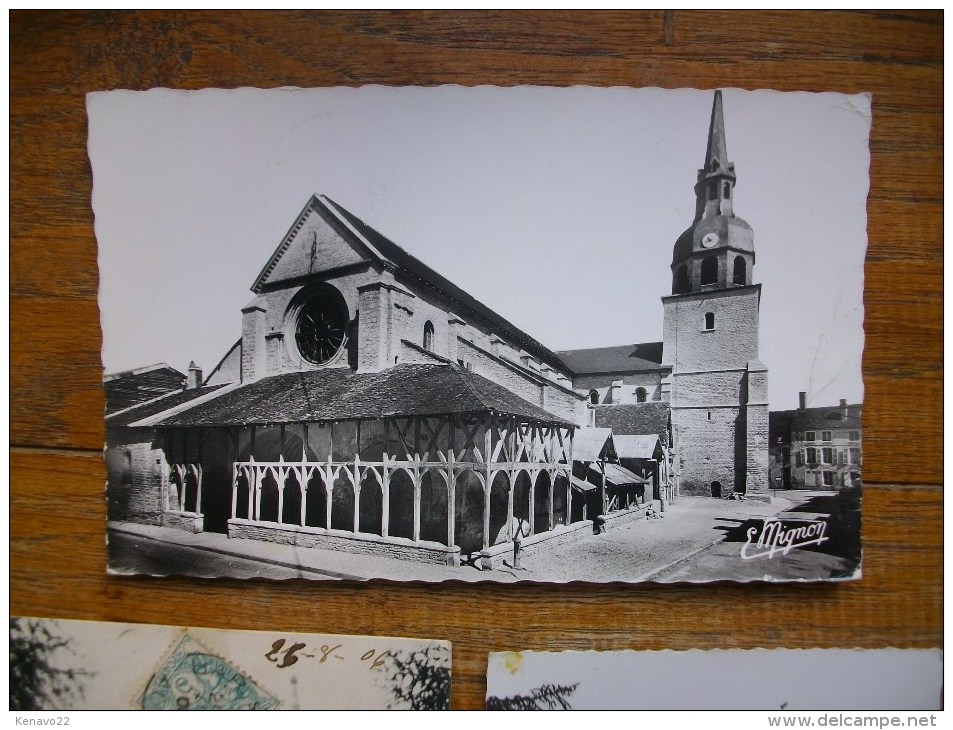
{"x":719,"y":391}
{"x":757,"y":474}
{"x":688,"y":345}
{"x":709,"y":388}
{"x":708,"y":447}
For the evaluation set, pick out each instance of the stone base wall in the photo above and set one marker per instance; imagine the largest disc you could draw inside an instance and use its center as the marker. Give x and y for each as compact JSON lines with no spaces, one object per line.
{"x":183,"y":521}
{"x":348,"y":542}
{"x":144,"y":518}
{"x":494,"y":556}
{"x":624,"y":516}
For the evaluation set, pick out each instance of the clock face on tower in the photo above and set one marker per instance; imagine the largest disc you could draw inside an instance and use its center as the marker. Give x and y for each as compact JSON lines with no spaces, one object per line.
{"x":321,"y":326}
{"x":709,"y":240}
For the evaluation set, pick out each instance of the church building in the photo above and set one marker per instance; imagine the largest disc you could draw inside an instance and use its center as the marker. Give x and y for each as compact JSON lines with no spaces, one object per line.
{"x":371,"y":405}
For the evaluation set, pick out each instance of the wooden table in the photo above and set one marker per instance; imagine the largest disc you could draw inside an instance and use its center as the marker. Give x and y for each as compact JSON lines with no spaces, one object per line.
{"x":57,"y":554}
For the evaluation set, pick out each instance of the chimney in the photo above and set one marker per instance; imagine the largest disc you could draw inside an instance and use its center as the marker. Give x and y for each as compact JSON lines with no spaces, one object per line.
{"x":843,"y":408}
{"x":195,"y":377}
{"x":802,"y":400}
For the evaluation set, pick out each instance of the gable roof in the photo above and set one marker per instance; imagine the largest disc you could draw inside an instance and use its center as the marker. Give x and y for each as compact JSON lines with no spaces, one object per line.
{"x":826,"y":418}
{"x":340,"y":394}
{"x":619,"y":476}
{"x":635,"y":418}
{"x":636,"y":446}
{"x":622,"y":358}
{"x":157,"y":405}
{"x":332,"y":241}
{"x":783,"y":424}
{"x":589,"y":444}
{"x":376,"y":247}
{"x":159,"y":366}
{"x":126,"y":388}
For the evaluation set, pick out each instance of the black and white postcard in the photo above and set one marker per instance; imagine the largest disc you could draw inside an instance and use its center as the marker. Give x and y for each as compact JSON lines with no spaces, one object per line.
{"x":788,"y":680}
{"x":57,"y":664}
{"x":482,"y":334}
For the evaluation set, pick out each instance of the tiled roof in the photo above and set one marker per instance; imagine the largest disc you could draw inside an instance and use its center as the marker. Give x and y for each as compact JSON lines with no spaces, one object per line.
{"x":782,"y":423}
{"x":638,"y":446}
{"x":140,"y":385}
{"x":620,"y":476}
{"x":581,"y":484}
{"x":588,"y":444}
{"x":157,"y":405}
{"x":340,"y":394}
{"x":419,"y":270}
{"x":827,"y":418}
{"x":634,"y":418}
{"x":645,"y":356}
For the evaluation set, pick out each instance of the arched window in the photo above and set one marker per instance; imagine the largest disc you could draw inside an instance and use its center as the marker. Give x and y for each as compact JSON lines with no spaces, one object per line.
{"x":594,"y":397}
{"x":709,"y":270}
{"x":740,"y":273}
{"x":726,"y":190}
{"x":428,"y":336}
{"x":682,"y":285}
{"x":712,"y":191}
{"x":640,"y":395}
{"x":709,"y":320}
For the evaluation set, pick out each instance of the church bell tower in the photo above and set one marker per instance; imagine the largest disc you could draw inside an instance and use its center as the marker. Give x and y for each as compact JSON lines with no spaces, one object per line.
{"x":718,"y":391}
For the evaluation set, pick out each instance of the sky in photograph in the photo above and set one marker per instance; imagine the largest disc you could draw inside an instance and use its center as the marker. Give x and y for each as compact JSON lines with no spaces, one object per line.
{"x":558,"y":208}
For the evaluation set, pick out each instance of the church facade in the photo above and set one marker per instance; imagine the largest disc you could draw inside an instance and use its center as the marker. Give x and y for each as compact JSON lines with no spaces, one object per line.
{"x":371,"y":405}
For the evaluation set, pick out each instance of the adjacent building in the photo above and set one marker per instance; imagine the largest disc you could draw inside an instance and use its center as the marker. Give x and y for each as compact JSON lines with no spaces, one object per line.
{"x":818,"y":447}
{"x":129,"y":387}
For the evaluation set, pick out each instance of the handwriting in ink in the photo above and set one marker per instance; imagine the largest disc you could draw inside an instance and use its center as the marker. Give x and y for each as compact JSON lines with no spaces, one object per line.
{"x":284,"y":655}
{"x":289,"y":657}
{"x":326,"y":651}
{"x":378,"y":662}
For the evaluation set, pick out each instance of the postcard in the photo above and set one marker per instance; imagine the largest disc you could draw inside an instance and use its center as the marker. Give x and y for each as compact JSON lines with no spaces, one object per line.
{"x":723,"y":679}
{"x":57,"y":664}
{"x":482,"y":334}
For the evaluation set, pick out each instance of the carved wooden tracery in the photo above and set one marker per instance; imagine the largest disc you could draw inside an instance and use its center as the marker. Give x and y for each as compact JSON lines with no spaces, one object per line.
{"x":439,"y":455}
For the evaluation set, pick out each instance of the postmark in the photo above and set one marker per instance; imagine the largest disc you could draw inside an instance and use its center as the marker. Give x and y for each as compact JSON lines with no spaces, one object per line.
{"x":192,"y":678}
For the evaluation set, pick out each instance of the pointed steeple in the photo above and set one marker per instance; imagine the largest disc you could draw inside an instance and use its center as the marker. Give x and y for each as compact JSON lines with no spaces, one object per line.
{"x":716,"y":180}
{"x":716,"y":155}
{"x":717,"y":250}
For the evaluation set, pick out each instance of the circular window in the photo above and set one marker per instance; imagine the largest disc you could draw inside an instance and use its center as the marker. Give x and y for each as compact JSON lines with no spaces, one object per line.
{"x":321,"y":327}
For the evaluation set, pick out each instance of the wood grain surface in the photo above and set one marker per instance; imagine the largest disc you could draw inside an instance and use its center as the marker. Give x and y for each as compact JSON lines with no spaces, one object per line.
{"x":57,"y":554}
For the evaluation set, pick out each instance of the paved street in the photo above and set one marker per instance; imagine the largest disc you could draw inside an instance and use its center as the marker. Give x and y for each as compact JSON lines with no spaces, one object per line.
{"x":698,"y":539}
{"x":642,"y":549}
{"x":832,"y":559}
